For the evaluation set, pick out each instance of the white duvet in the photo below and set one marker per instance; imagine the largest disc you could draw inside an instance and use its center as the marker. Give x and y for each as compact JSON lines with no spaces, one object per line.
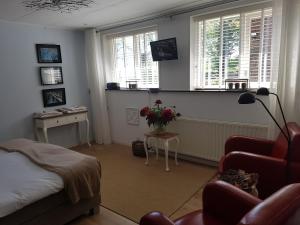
{"x":22,"y":182}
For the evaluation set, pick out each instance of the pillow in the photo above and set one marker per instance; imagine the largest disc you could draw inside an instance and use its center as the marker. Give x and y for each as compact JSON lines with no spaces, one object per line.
{"x":241,"y":179}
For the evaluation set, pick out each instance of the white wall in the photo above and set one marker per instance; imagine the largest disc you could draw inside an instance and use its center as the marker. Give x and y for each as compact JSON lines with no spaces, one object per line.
{"x":175,"y":75}
{"x":20,"y":88}
{"x":199,"y":105}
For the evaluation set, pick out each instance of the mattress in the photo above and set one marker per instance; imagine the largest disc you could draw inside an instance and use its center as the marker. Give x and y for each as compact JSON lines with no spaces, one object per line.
{"x":22,"y":182}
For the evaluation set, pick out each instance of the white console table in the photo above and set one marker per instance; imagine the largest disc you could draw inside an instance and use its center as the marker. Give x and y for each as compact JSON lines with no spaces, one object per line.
{"x":60,"y":120}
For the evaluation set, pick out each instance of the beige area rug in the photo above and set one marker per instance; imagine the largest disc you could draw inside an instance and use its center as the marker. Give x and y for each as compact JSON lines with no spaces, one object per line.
{"x":132,"y":189}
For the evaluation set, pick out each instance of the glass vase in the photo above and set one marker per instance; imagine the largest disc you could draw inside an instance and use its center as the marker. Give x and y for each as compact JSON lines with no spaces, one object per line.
{"x":158,"y":129}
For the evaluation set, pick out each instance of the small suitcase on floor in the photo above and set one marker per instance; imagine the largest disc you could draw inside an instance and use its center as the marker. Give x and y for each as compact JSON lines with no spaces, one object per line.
{"x":138,"y":149}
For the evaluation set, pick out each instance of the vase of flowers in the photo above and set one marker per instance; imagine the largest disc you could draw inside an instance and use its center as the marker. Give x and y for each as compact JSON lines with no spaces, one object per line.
{"x":158,"y":116}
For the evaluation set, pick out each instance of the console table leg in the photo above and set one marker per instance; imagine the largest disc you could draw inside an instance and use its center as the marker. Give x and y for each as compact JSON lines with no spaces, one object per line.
{"x":36,"y":132}
{"x":79,"y":133}
{"x":88,"y":132}
{"x":167,"y":154}
{"x":146,"y":150}
{"x":45,"y":135}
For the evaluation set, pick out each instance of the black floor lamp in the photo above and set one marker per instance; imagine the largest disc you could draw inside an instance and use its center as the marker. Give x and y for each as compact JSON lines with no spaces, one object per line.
{"x":265,"y":92}
{"x":249,"y":98}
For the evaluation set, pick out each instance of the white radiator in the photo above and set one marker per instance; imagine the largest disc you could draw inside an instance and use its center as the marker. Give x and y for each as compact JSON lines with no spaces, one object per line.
{"x":206,"y":139}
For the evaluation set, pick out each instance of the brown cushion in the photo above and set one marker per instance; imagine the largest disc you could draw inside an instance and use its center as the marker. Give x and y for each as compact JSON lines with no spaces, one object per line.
{"x":239,"y":178}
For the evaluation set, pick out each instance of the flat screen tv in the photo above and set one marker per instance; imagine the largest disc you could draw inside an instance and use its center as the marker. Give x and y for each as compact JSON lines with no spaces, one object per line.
{"x":164,"y":49}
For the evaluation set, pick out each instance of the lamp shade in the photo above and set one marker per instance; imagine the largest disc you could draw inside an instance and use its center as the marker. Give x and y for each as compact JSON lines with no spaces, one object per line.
{"x":263,"y":91}
{"x":246,"y":98}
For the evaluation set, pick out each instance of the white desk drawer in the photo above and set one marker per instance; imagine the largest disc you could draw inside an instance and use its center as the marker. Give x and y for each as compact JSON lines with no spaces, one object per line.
{"x":55,"y":122}
{"x":76,"y":118}
{"x":60,"y":121}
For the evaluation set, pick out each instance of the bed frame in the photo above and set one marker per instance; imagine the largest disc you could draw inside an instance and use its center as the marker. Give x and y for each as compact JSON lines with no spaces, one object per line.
{"x":53,"y":210}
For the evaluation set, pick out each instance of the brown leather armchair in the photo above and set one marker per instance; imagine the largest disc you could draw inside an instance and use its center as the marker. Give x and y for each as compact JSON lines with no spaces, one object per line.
{"x":225,"y":204}
{"x":265,"y":157}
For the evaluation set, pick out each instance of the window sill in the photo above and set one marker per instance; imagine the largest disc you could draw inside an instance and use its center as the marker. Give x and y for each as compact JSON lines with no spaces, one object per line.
{"x":188,"y":91}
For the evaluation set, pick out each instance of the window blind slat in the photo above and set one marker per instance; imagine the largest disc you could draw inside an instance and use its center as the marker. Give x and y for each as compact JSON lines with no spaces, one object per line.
{"x":234,"y":46}
{"x":132,"y":60}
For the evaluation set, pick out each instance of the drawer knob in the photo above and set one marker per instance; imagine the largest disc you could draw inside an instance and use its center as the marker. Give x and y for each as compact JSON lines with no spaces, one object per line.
{"x":57,"y":121}
{"x":75,"y":117}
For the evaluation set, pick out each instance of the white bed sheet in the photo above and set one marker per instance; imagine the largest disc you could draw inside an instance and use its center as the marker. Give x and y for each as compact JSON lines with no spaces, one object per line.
{"x":22,"y":182}
{"x":3,"y":152}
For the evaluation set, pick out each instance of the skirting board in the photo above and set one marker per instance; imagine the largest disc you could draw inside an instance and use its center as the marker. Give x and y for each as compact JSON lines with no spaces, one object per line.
{"x":181,"y":156}
{"x":189,"y":158}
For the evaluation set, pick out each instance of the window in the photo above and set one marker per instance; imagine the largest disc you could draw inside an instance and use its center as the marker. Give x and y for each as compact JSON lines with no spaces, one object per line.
{"x":132,"y":60}
{"x":230,"y":46}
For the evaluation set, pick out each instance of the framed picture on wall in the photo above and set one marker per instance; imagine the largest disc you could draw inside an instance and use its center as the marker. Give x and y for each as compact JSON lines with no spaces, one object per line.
{"x":51,"y":75}
{"x":48,"y":53}
{"x":54,"y":97}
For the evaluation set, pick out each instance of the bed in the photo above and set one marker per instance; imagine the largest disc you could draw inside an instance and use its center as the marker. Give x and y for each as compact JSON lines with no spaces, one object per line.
{"x":43,"y":184}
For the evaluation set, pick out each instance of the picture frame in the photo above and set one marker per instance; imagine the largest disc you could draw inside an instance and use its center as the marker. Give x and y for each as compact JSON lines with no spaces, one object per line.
{"x":51,"y":75}
{"x":48,"y":53}
{"x":54,"y":97}
{"x":133,"y":116}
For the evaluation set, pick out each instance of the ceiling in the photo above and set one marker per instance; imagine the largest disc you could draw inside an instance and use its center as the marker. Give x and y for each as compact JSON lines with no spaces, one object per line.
{"x":102,"y":13}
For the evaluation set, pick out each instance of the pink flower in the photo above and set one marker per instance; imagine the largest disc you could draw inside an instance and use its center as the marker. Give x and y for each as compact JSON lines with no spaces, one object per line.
{"x":144,"y":111}
{"x":151,"y":117}
{"x":158,"y":115}
{"x":158,"y":102}
{"x":167,"y":115}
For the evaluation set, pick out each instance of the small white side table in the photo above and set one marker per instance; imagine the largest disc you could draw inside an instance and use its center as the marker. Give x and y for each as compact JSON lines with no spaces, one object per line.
{"x":165,"y":137}
{"x":56,"y":121}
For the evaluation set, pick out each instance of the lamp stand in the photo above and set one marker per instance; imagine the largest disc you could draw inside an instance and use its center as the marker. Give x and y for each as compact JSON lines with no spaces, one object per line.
{"x":287,"y":136}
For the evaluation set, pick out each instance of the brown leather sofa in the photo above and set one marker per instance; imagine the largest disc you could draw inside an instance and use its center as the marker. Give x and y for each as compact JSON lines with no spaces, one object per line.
{"x":225,"y":204}
{"x":265,"y":157}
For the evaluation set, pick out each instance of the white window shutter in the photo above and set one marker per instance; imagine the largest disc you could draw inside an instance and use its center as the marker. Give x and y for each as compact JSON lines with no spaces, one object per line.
{"x":132,"y":60}
{"x":233,"y":46}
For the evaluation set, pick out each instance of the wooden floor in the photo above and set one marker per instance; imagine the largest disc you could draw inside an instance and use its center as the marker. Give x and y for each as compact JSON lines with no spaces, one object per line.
{"x":105,"y":217}
{"x":108,"y":217}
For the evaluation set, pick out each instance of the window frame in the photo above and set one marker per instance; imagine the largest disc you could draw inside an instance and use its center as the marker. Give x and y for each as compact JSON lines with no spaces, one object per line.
{"x":195,"y":19}
{"x":108,"y":43}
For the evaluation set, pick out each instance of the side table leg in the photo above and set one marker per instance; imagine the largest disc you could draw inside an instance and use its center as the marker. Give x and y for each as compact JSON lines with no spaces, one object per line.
{"x":146,"y":150}
{"x":177,"y":146}
{"x":156,"y":147}
{"x":167,"y":154}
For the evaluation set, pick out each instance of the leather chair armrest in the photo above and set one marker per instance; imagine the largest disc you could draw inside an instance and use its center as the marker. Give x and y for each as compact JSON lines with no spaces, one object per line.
{"x":280,"y":208}
{"x":226,"y":202}
{"x":271,"y":171}
{"x":155,"y":218}
{"x":247,"y":144}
